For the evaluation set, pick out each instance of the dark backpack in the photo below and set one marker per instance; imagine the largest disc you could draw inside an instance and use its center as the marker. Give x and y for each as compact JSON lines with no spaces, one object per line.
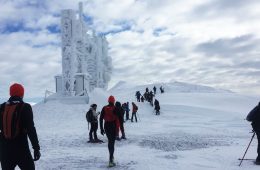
{"x":253,"y":114}
{"x":11,"y":120}
{"x":89,"y":116}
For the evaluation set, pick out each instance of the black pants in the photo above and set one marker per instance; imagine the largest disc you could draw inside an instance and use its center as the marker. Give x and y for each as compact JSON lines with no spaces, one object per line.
{"x":1,"y":150}
{"x":258,"y":146}
{"x":121,"y":121}
{"x":22,"y":158}
{"x":93,"y":129}
{"x":123,"y":116}
{"x":133,"y":115}
{"x":127,"y":115}
{"x":110,"y":129}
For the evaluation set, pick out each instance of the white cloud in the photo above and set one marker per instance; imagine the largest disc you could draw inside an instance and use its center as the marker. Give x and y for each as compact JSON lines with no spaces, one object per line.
{"x":196,"y":42}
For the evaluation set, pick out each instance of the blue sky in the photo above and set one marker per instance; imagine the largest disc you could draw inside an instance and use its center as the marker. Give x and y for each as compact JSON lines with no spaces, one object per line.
{"x":208,"y":42}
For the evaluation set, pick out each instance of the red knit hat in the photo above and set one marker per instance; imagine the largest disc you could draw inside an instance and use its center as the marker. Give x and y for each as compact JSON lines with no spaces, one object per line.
{"x":16,"y":90}
{"x":111,"y":99}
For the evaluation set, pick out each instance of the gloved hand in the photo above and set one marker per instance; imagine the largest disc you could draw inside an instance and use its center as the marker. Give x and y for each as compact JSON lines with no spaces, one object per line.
{"x":37,"y":155}
{"x":102,"y":132}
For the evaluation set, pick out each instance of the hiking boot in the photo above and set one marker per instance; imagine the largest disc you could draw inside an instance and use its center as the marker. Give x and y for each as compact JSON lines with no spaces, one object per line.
{"x":117,"y":138}
{"x":123,"y":137}
{"x":257,"y":162}
{"x":91,"y":141}
{"x":111,"y":164}
{"x":98,"y":140}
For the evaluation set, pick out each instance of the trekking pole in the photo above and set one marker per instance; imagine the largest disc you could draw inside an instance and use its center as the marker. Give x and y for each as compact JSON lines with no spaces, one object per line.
{"x":247,"y":149}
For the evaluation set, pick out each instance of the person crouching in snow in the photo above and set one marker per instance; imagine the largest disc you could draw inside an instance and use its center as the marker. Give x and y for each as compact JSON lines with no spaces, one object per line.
{"x":92,"y":118}
{"x":108,"y":113}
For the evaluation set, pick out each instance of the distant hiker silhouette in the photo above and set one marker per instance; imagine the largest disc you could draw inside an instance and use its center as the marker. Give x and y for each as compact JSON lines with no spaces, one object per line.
{"x":127,"y":110}
{"x":150,"y":97}
{"x":142,"y":99}
{"x":162,"y":89}
{"x":134,"y":110}
{"x":16,"y":123}
{"x":154,"y":90}
{"x":138,"y":95}
{"x":157,"y":107}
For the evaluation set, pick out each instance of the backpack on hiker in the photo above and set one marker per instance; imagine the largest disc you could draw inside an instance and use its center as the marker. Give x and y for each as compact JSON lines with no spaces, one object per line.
{"x":11,"y":120}
{"x":135,"y":107}
{"x":89,"y":116}
{"x":110,"y":114}
{"x":253,"y":114}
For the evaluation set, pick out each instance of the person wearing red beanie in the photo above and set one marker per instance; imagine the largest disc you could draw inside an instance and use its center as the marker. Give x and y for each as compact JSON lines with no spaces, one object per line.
{"x":108,"y":113}
{"x":15,"y":130}
{"x":16,"y":90}
{"x":111,"y":99}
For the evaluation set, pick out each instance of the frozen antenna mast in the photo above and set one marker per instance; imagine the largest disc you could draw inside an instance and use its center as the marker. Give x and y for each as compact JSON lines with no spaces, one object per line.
{"x":85,"y":61}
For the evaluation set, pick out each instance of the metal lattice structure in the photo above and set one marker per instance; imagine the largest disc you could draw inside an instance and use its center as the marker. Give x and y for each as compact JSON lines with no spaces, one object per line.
{"x":85,"y":61}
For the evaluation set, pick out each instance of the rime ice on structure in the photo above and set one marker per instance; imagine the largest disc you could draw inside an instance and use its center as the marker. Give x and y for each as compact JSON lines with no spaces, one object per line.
{"x":85,"y":60}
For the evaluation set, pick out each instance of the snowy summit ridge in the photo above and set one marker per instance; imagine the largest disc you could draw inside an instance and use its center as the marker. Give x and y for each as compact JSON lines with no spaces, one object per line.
{"x":173,"y":86}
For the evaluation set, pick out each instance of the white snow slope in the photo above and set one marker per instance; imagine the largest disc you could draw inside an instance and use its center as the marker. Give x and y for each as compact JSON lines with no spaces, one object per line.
{"x":197,"y":130}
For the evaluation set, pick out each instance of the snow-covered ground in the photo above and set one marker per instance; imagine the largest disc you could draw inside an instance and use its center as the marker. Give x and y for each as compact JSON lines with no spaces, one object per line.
{"x":199,"y":128}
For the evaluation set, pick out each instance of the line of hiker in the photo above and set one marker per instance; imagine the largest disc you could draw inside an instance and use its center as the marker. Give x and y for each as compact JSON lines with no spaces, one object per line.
{"x":149,"y":97}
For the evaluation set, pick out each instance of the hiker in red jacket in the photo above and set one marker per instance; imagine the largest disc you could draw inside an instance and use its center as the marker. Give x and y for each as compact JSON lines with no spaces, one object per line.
{"x":109,"y":114}
{"x":16,"y":124}
{"x":134,"y":110}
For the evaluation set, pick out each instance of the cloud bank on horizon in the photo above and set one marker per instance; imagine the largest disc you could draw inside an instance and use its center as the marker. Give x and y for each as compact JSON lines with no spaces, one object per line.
{"x":209,"y":42}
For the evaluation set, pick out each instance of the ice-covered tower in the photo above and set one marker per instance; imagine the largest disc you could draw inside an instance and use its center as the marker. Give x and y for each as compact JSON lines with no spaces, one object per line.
{"x":85,"y":60}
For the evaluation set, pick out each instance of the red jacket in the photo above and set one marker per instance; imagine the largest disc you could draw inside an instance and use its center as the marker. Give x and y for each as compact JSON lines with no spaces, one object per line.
{"x":135,"y":108}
